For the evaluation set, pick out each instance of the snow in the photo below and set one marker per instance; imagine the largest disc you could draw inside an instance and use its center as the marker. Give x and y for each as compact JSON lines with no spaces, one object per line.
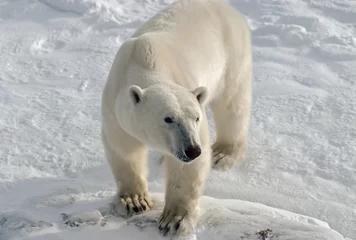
{"x":54,"y":59}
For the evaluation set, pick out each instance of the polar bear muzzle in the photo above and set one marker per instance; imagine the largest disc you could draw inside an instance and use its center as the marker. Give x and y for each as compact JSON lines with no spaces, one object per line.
{"x":189,"y":153}
{"x":187,"y":147}
{"x":192,"y":152}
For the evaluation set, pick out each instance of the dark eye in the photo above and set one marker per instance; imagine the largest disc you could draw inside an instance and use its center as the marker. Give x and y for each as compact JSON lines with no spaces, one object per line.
{"x":197,"y":119}
{"x":168,"y":120}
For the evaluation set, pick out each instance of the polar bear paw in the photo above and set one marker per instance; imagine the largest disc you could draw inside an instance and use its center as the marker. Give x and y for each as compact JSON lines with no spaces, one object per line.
{"x":127,"y":205}
{"x":174,"y":223}
{"x":226,"y":156}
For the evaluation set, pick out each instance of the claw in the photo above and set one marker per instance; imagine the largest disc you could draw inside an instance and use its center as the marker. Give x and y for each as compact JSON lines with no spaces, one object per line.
{"x":166,"y":230}
{"x":133,"y":204}
{"x":177,"y":225}
{"x":218,"y":160}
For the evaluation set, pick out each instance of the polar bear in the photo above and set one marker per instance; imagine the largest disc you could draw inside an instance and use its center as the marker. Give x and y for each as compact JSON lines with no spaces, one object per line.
{"x":192,"y":54}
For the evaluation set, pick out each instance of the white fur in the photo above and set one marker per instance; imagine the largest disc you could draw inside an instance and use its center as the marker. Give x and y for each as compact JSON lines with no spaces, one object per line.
{"x":194,"y":53}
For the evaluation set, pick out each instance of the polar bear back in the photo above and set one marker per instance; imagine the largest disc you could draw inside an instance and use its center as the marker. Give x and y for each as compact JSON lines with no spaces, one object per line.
{"x":194,"y":42}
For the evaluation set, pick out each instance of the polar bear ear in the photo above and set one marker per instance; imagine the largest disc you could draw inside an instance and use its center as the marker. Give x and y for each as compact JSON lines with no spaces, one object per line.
{"x":201,"y":94}
{"x":135,"y":94}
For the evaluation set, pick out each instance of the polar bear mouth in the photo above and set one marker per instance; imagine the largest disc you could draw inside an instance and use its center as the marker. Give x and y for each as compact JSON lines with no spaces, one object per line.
{"x":183,"y":158}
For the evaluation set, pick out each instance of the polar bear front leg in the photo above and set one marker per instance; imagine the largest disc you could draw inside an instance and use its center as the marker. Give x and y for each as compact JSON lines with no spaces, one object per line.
{"x":185,"y":184}
{"x":231,"y":113}
{"x":128,"y":165}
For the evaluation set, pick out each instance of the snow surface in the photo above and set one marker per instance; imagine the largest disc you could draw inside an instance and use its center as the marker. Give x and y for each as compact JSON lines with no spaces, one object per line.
{"x":54,"y":59}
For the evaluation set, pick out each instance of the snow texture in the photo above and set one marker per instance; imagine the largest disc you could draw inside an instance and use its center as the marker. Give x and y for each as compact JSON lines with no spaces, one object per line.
{"x":55,"y":183}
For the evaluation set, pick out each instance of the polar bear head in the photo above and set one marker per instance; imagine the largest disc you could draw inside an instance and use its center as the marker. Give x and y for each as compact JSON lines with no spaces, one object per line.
{"x":167,"y":118}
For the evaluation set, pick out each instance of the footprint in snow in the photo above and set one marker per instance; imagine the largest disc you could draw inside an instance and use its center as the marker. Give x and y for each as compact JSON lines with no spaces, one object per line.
{"x":83,"y":218}
{"x":19,"y":221}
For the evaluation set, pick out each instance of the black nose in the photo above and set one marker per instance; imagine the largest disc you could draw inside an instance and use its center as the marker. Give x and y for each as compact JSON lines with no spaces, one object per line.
{"x":192,"y":152}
